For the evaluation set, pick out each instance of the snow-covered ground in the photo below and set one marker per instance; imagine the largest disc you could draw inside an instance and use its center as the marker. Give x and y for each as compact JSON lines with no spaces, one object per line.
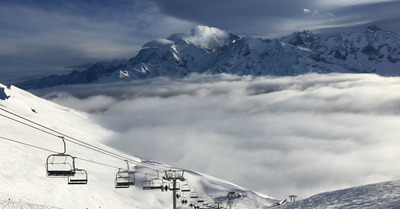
{"x":24,"y":150}
{"x":378,"y":196}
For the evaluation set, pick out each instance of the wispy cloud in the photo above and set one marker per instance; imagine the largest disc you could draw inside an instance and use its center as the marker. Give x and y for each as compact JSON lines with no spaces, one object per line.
{"x":278,"y":135}
{"x":345,"y":3}
{"x":68,"y":33}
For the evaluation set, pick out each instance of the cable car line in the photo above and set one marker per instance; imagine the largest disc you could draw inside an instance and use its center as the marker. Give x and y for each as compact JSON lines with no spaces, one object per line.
{"x":73,"y":140}
{"x":59,"y":136}
{"x":83,"y":144}
{"x":57,"y":132}
{"x":193,"y":190}
{"x":53,"y":151}
{"x":29,"y":145}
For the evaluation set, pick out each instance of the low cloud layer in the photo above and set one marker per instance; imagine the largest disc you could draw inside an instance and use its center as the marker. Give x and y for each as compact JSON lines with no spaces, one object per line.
{"x":276,"y":135}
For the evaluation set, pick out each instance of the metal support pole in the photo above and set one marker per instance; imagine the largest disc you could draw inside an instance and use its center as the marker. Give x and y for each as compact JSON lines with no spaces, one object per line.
{"x":174,"y":192}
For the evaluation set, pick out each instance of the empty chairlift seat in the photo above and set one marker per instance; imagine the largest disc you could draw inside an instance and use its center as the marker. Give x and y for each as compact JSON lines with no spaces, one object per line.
{"x":80,"y":177}
{"x":155,"y":183}
{"x":194,"y":195}
{"x":124,"y":179}
{"x":60,"y":165}
{"x":185,"y":188}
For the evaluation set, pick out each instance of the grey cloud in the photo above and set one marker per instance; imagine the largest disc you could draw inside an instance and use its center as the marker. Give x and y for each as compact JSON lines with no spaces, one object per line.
{"x":277,"y":135}
{"x":278,"y":18}
{"x":65,"y":33}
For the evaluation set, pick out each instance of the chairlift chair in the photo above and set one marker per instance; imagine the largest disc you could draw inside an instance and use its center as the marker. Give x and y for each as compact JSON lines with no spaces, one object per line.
{"x":60,"y":165}
{"x":184,"y":200}
{"x":124,"y":179}
{"x":146,"y":185}
{"x":80,"y":177}
{"x":165,"y":186}
{"x":185,"y":188}
{"x":194,"y":195}
{"x":155,"y":183}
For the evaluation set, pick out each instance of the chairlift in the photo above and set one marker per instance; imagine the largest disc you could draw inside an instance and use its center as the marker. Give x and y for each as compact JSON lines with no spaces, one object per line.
{"x":146,"y":185}
{"x":155,"y":183}
{"x":200,"y":200}
{"x":165,"y":186}
{"x":194,"y":195}
{"x":124,"y":178}
{"x":80,"y":177}
{"x":185,"y":188}
{"x":61,"y":164}
{"x":184,"y":199}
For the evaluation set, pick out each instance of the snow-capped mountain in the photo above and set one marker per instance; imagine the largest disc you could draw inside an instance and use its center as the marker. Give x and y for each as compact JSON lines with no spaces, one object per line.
{"x":28,"y":126}
{"x":211,"y":50}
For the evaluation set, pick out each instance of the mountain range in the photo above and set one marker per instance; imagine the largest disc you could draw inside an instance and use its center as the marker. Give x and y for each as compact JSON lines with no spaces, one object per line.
{"x":211,"y":50}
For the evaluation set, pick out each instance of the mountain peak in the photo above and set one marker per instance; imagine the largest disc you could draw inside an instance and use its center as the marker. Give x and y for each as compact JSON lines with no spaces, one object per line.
{"x":210,"y":38}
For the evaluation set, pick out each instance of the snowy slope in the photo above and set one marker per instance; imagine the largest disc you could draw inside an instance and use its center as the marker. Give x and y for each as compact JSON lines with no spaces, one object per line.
{"x":379,"y":196}
{"x":214,"y":51}
{"x":23,"y":181}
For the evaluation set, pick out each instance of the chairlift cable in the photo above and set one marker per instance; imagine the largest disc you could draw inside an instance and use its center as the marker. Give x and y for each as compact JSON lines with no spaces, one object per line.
{"x":57,"y":132}
{"x":89,"y":146}
{"x":29,"y":145}
{"x":56,"y":136}
{"x":200,"y":193}
{"x":92,"y":161}
{"x":55,"y":152}
{"x":81,"y":143}
{"x":84,"y":144}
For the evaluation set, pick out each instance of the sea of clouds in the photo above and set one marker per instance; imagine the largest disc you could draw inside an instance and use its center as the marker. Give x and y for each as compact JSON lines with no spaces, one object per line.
{"x":276,"y":135}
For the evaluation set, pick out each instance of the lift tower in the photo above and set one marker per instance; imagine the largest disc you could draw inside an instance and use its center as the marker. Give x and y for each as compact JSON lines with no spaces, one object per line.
{"x":173,"y":175}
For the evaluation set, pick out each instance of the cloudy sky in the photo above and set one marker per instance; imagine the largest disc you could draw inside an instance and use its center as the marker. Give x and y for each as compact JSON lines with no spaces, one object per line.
{"x":39,"y":37}
{"x":276,"y":135}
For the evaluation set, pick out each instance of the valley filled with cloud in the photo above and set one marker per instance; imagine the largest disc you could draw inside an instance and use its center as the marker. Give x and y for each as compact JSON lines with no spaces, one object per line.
{"x":276,"y":135}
